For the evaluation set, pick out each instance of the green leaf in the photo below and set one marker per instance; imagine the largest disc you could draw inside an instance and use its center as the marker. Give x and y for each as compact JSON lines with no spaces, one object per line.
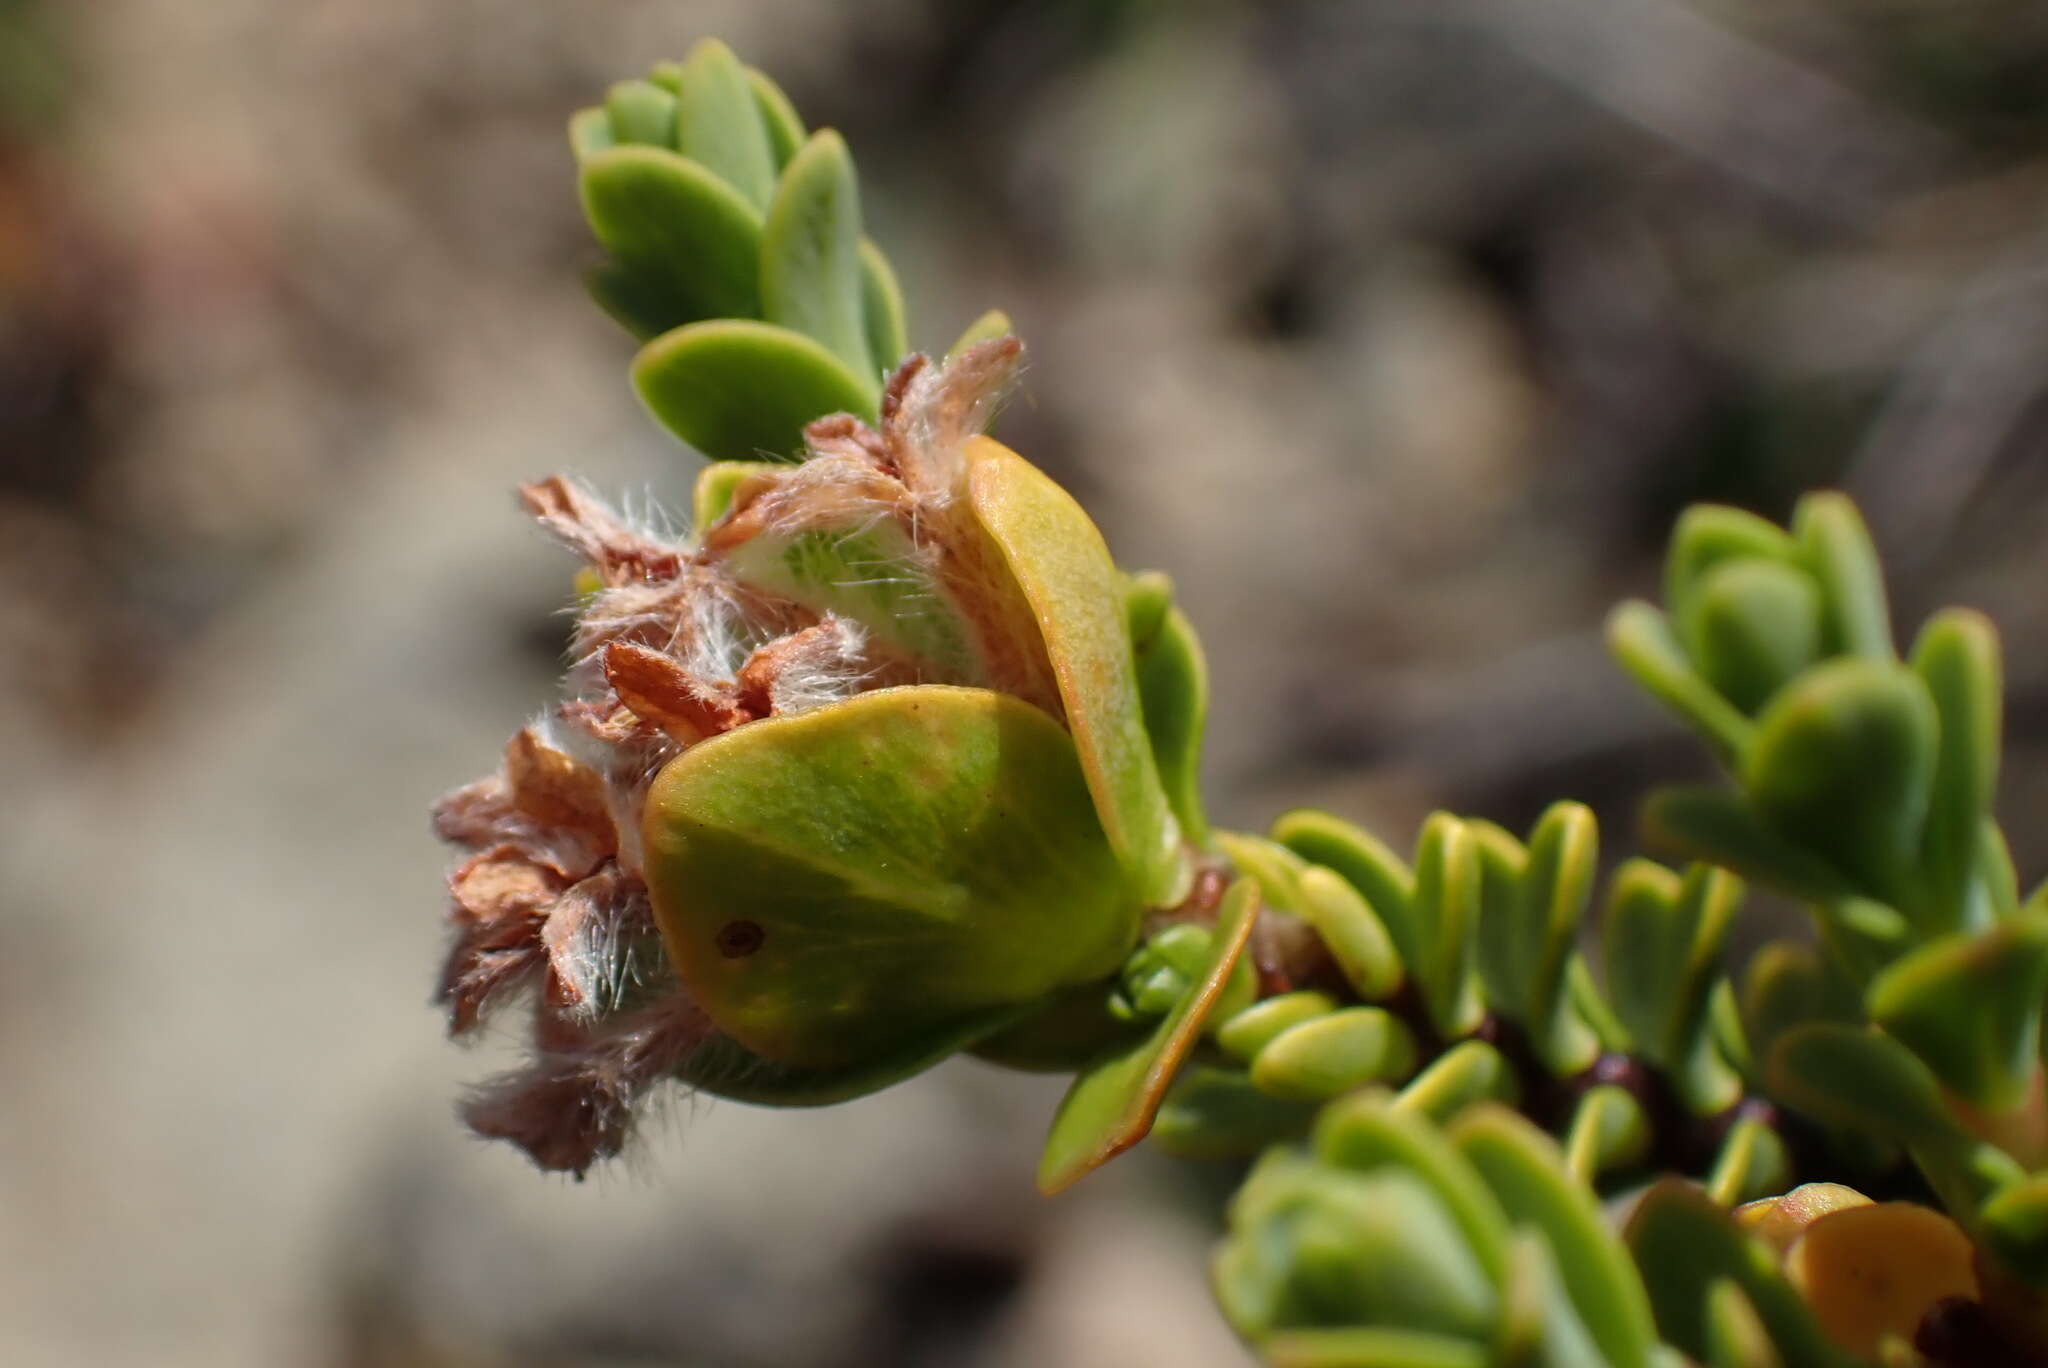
{"x":1685,"y":1245}
{"x":1859,"y":1080}
{"x":1867,"y":1082}
{"x":1735,"y":1334}
{"x":641,"y":112}
{"x":1354,"y":936}
{"x":1061,"y":1035}
{"x":1366,"y":1132}
{"x":1313,"y":1247}
{"x":1970,"y":1007}
{"x":1378,"y":874}
{"x":1608,"y":1132}
{"x":810,"y":254}
{"x":1112,"y":1104}
{"x":725,"y":1068}
{"x":1663,"y":939}
{"x":1711,"y":535}
{"x":740,"y":391}
{"x":1531,"y":946}
{"x":1526,"y":1174}
{"x":1640,"y":640}
{"x":1843,"y":764}
{"x":1957,"y":658}
{"x":1837,"y":549}
{"x":1059,"y":560}
{"x":1447,"y":893}
{"x":785,"y":130}
{"x":2014,"y":1224}
{"x":1317,"y":1059}
{"x":717,"y":483}
{"x":1752,"y":1164}
{"x":663,"y":217}
{"x":1788,"y":984}
{"x":718,"y":122}
{"x":987,"y":328}
{"x":1715,"y":827}
{"x":1752,"y":625}
{"x":644,"y":305}
{"x":1173,"y":691}
{"x":835,"y":883}
{"x":1470,"y":1071}
{"x":881,"y":304}
{"x":590,"y":132}
{"x":1251,"y":1030}
{"x":1213,"y":1113}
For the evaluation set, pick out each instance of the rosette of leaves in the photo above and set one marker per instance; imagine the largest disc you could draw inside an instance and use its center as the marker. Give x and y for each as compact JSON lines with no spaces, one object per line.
{"x":737,"y":256}
{"x":1863,"y":785}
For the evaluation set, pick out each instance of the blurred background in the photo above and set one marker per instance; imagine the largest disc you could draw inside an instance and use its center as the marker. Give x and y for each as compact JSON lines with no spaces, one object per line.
{"x":1396,"y":330}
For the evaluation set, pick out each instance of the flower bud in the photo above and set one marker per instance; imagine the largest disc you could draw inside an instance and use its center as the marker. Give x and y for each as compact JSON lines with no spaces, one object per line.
{"x":851,"y":779}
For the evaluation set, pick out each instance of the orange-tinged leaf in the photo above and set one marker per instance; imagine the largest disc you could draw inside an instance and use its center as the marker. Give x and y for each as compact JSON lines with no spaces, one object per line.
{"x":1064,"y":568}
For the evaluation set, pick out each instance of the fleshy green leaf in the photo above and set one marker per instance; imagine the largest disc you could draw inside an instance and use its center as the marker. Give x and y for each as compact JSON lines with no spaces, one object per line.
{"x":2014,"y":1223}
{"x":1354,"y":936}
{"x":1641,"y":640}
{"x":1111,"y":1105}
{"x":1752,"y":1164}
{"x":1251,"y":1030}
{"x":1525,"y":945}
{"x":590,"y":132}
{"x":1366,"y":864}
{"x":810,"y":255}
{"x":987,"y":328}
{"x":1867,"y":1082}
{"x":881,"y":304}
{"x":1970,"y":1007}
{"x":1173,"y":690}
{"x":1685,"y":1245}
{"x":1447,"y":893}
{"x":1843,"y":764}
{"x":833,"y":884}
{"x":718,"y":122}
{"x":665,"y":218}
{"x":716,"y":484}
{"x":1663,"y":939}
{"x":725,"y":1068}
{"x":641,"y":112}
{"x":1470,"y":1071}
{"x":1752,"y":625}
{"x":1318,"y":1247}
{"x":1788,"y":984}
{"x":1608,"y":1132}
{"x":1367,"y":1132}
{"x":1957,"y":658}
{"x":1837,"y":549}
{"x":1522,"y":1167}
{"x":1711,"y":535}
{"x":743,"y":391}
{"x":1059,"y":560}
{"x":1213,"y":1113}
{"x":1717,"y":827}
{"x":785,"y":129}
{"x":1317,"y":1059}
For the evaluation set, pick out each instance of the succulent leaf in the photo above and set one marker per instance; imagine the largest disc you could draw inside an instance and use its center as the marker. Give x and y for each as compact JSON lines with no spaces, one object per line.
{"x":744,"y":391}
{"x":810,"y":255}
{"x":1058,"y":558}
{"x":937,"y":837}
{"x":1112,"y":1103}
